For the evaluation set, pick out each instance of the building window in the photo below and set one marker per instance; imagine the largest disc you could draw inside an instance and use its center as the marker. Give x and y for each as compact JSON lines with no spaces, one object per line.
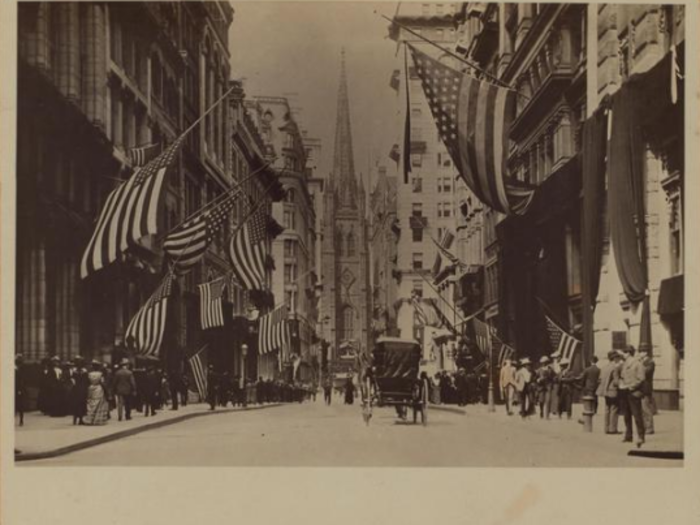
{"x":348,"y":323}
{"x":289,"y":221}
{"x":491,"y":284}
{"x":288,"y":248}
{"x":418,"y":288}
{"x":416,"y":160}
{"x":446,"y":209}
{"x":418,"y":261}
{"x":288,"y":273}
{"x":351,"y":245}
{"x":416,"y":113}
{"x":446,"y":185}
{"x":676,"y":235}
{"x":417,"y":184}
{"x":573,"y":249}
{"x":417,"y":234}
{"x":417,"y":209}
{"x":291,"y":195}
{"x":425,"y":9}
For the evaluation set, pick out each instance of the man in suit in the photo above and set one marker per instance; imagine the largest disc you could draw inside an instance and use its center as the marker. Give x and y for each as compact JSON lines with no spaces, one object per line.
{"x":566,"y":388}
{"x":20,"y":388}
{"x":523,"y":385}
{"x":630,"y":393}
{"x":507,"y":384}
{"x":124,"y":388}
{"x":607,"y":388}
{"x":589,"y":380}
{"x":544,"y":381}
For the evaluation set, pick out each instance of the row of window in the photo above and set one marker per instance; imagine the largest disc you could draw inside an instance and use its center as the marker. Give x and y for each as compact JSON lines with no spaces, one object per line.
{"x":443,"y":159}
{"x":444,"y":184}
{"x":444,"y":209}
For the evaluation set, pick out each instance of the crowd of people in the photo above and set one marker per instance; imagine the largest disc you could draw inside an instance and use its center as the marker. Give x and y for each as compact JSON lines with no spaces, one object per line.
{"x":90,"y":393}
{"x":625,"y":382}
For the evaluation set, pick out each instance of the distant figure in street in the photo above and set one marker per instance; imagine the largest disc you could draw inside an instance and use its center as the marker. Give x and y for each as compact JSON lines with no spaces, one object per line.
{"x":20,"y":388}
{"x":349,"y":391}
{"x":589,"y":381}
{"x":97,"y":405}
{"x":213,"y":386}
{"x":151,"y":394}
{"x":566,"y":389}
{"x":607,"y":388}
{"x":648,"y":404}
{"x":55,"y":398}
{"x":507,"y":385}
{"x":544,"y":381}
{"x":327,"y":390}
{"x":124,"y":389}
{"x":79,"y":392}
{"x":556,"y":385}
{"x":630,"y":394}
{"x":523,"y":385}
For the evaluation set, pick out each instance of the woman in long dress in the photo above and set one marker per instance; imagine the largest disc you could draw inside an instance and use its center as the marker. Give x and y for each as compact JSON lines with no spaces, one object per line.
{"x":97,"y":403}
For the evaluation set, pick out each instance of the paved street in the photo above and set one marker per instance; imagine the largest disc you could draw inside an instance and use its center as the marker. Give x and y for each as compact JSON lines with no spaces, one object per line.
{"x":314,"y":435}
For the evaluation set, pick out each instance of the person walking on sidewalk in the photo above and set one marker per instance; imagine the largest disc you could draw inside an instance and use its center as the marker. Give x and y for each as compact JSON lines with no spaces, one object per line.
{"x":327,"y":389}
{"x":556,"y":386}
{"x":523,"y":385}
{"x":589,"y":381}
{"x":507,"y":384}
{"x":566,"y":389}
{"x":97,"y":404}
{"x":79,"y":392}
{"x":151,"y":394}
{"x":648,"y":404}
{"x":124,"y":389}
{"x":630,"y":393}
{"x":545,"y":377}
{"x":607,"y":388}
{"x":20,"y":388}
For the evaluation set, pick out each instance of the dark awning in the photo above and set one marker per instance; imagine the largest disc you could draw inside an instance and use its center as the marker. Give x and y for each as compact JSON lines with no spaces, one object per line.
{"x":671,"y":296}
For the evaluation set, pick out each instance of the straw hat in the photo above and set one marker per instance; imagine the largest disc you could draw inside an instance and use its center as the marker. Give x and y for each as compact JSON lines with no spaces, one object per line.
{"x":544,"y":359}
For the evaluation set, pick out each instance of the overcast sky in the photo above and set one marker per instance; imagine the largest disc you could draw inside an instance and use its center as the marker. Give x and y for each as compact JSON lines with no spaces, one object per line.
{"x":293,"y":49}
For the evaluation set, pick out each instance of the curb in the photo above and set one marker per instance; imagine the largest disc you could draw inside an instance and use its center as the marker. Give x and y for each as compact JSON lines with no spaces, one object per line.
{"x":89,"y":443}
{"x":452,"y":410}
{"x":657,"y":454}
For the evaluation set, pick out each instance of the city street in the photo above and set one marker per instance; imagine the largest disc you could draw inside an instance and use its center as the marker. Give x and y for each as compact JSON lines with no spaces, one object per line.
{"x":314,"y":435}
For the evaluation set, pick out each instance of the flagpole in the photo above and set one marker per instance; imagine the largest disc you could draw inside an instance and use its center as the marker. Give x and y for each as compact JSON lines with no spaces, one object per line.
{"x":494,"y":79}
{"x":211,"y":108}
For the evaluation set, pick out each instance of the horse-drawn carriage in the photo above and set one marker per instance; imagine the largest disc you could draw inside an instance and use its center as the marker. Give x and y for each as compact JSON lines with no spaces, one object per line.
{"x":393,"y":379}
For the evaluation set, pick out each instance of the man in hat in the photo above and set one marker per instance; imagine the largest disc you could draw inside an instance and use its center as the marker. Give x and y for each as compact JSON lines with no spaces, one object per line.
{"x":589,"y":381}
{"x":523,"y":385}
{"x":124,"y":388}
{"x":20,"y":388}
{"x":566,"y":388}
{"x":79,"y":392}
{"x":607,"y":388}
{"x":648,"y":405}
{"x":555,"y":360}
{"x":544,"y":380}
{"x":507,"y":384}
{"x":630,"y":393}
{"x":55,"y":394}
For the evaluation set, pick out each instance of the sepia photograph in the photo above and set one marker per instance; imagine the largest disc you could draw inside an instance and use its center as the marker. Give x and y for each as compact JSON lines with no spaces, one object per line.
{"x":393,"y":235}
{"x":348,"y":261}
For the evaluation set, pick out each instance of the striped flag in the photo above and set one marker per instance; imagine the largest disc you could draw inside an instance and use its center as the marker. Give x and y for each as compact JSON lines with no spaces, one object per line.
{"x":187,"y":243}
{"x":129,"y":214}
{"x":148,"y":325}
{"x":211,"y":303}
{"x":473,"y":118}
{"x":443,"y":247}
{"x":506,"y":352}
{"x":248,"y":252}
{"x":199,"y":371}
{"x":562,"y":343}
{"x":482,"y":332}
{"x":143,"y":154}
{"x":427,"y":313}
{"x":273,"y":333}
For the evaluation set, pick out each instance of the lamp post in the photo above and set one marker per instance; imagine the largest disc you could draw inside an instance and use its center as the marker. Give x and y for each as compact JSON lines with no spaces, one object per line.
{"x":492,"y":402}
{"x":244,"y":368}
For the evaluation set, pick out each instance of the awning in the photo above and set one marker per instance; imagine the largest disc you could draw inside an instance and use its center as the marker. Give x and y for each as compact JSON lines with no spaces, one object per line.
{"x":671,"y":299}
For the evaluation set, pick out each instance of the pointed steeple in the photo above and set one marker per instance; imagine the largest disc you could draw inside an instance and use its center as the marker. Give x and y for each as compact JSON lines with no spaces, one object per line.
{"x":343,"y":156}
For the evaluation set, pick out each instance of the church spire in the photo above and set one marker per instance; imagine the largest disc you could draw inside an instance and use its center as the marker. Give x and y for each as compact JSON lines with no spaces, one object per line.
{"x":343,"y":161}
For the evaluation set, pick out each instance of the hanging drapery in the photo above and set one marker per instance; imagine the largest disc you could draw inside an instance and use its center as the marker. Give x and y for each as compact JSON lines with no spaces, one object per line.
{"x":627,"y":183}
{"x":593,"y":166}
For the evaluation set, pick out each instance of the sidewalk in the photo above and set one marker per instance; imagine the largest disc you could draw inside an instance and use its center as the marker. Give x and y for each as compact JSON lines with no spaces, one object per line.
{"x":668,"y":426}
{"x":46,"y":437}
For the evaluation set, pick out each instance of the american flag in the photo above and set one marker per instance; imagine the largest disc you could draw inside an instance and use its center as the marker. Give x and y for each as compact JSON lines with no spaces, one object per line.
{"x":143,"y":154}
{"x":482,"y":331}
{"x":248,"y":251}
{"x":443,"y":247}
{"x":129,"y":214}
{"x":148,"y":325}
{"x":505,"y":352}
{"x":199,"y":371}
{"x":562,"y":343}
{"x":473,"y":118}
{"x":210,"y":303}
{"x":187,"y":243}
{"x":273,"y":333}
{"x":427,"y":313}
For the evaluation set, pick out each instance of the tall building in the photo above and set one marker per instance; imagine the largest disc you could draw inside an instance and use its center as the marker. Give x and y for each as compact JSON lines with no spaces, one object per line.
{"x":345,"y":298}
{"x":428,"y":204}
{"x":117,"y":76}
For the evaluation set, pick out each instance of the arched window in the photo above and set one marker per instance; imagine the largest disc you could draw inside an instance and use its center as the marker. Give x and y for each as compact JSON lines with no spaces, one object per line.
{"x":339,"y":242}
{"x":348,"y":323}
{"x":351,"y":244}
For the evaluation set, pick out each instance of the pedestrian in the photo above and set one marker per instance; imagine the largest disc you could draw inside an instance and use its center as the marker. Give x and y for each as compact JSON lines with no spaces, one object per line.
{"x":184,"y":389}
{"x":163,"y":389}
{"x":630,"y":393}
{"x":327,"y":389}
{"x":20,"y":388}
{"x":55,"y":398}
{"x":108,"y":374}
{"x":124,"y":389}
{"x":97,"y":409}
{"x":555,"y":360}
{"x":151,"y":394}
{"x":349,"y":391}
{"x":523,"y":380}
{"x":79,"y":392}
{"x":173,"y":380}
{"x":212,"y":387}
{"x":607,"y":388}
{"x":544,"y":380}
{"x":648,"y":404}
{"x":507,"y":385}
{"x":567,"y":380}
{"x":589,"y":381}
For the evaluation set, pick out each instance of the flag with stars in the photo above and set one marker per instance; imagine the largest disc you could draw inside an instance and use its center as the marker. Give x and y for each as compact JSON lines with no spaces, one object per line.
{"x":248,"y":251}
{"x":187,"y":243}
{"x":129,"y":213}
{"x":473,"y":118}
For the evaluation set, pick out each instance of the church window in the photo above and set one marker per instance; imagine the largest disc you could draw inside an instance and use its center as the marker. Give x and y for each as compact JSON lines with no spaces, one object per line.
{"x":351,"y":245}
{"x":348,"y":323}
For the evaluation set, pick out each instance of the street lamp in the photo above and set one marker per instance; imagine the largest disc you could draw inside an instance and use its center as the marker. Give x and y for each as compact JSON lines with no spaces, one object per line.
{"x":244,"y":356}
{"x":492,"y":402}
